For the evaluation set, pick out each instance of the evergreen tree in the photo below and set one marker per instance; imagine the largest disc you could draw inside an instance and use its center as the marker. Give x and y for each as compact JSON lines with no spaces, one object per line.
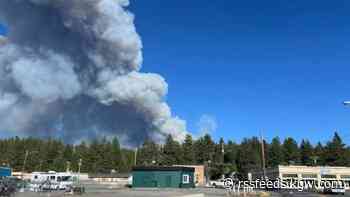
{"x":231,"y":150}
{"x":275,"y":153}
{"x":68,"y":157}
{"x":319,"y":155}
{"x":204,"y":149}
{"x":104,"y":155}
{"x":171,"y":152}
{"x":188,"y":151}
{"x":117,"y":161}
{"x":94,"y":156}
{"x":148,"y":154}
{"x":335,"y":151}
{"x":306,"y":153}
{"x":82,"y":153}
{"x":219,"y":154}
{"x":291,"y":151}
{"x":249,"y":156}
{"x":107,"y":157}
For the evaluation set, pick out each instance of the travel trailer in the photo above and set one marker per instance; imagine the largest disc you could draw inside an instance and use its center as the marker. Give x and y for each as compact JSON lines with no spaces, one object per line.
{"x":51,"y":181}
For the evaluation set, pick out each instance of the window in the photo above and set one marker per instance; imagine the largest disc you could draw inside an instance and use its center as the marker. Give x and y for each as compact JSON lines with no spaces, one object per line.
{"x":52,"y":178}
{"x":186,"y":179}
{"x":345,"y":176}
{"x":309,"y":176}
{"x":289,"y":175}
{"x":329,"y":176}
{"x":67,"y":178}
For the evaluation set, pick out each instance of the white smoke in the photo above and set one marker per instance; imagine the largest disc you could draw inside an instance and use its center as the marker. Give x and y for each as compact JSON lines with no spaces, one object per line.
{"x":207,"y":124}
{"x":77,"y":62}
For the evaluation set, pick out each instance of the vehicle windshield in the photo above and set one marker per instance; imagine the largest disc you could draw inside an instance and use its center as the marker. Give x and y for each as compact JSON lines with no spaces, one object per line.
{"x":66,"y":178}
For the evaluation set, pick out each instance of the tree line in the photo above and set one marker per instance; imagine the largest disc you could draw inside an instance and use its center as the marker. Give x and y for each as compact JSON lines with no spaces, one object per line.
{"x":105,"y":156}
{"x":97,"y":156}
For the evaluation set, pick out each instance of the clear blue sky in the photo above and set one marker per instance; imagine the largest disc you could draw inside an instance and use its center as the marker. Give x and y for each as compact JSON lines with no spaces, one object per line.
{"x":281,"y":67}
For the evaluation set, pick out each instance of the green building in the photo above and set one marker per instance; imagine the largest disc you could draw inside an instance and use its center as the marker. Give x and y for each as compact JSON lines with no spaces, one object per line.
{"x":163,"y":177}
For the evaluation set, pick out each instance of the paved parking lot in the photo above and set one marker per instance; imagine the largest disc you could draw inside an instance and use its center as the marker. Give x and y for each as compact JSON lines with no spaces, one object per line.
{"x":138,"y":193}
{"x":207,"y":192}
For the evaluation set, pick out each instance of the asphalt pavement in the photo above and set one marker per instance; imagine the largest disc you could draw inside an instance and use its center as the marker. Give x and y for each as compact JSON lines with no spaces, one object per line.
{"x":206,"y":192}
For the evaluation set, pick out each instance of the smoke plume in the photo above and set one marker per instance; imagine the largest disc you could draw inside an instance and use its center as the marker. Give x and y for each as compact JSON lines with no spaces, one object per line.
{"x":71,"y":69}
{"x":207,"y":124}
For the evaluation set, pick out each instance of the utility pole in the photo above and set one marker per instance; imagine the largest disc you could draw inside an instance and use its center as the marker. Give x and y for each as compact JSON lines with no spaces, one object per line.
{"x":223,"y":152}
{"x":24,"y":163}
{"x":68,"y":166}
{"x":79,"y":169}
{"x":135,"y":162}
{"x":263,"y":155}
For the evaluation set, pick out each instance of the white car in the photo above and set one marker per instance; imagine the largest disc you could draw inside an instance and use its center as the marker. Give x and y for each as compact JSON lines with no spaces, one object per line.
{"x":218,"y":183}
{"x":337,"y":190}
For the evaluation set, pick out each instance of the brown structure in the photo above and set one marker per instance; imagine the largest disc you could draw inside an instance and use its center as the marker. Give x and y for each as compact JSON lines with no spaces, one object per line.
{"x":199,"y":174}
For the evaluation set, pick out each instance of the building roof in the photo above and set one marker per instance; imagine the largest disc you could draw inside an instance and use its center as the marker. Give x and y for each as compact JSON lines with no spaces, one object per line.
{"x":163,"y":168}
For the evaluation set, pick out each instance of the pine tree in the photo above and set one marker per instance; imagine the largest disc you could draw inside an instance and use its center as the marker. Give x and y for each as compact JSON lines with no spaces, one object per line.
{"x":231,"y":150}
{"x":319,"y":155}
{"x":82,"y":153}
{"x":335,"y":151}
{"x":172,"y":152}
{"x":306,"y":153}
{"x":275,"y":153}
{"x":291,"y":151}
{"x":204,"y":149}
{"x":106,"y":163}
{"x":219,"y":152}
{"x":188,"y":151}
{"x":148,"y":154}
{"x":116,"y":157}
{"x":249,"y":156}
{"x":94,"y":156}
{"x":68,"y":157}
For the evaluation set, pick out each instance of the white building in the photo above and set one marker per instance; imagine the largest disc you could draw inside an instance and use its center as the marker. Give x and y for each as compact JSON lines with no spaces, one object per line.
{"x":303,"y":173}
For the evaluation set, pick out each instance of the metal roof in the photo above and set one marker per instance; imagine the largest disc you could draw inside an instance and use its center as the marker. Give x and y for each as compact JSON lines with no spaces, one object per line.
{"x":162,"y":168}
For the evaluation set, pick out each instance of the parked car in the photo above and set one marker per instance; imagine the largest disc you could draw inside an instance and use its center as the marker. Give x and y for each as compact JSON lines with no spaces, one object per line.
{"x":335,"y":190}
{"x":220,"y":183}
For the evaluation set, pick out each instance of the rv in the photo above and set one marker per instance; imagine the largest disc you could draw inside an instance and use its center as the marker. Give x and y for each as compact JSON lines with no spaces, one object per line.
{"x":51,"y":181}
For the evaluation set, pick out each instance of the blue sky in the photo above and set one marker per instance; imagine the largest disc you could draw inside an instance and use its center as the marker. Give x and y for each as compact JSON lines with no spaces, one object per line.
{"x":278,"y":67}
{"x":3,"y":30}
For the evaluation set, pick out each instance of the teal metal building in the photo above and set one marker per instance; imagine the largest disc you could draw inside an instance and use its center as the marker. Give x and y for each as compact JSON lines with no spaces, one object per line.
{"x":163,"y":177}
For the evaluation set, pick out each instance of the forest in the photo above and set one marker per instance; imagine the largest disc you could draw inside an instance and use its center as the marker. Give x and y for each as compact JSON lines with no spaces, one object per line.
{"x":222,"y":157}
